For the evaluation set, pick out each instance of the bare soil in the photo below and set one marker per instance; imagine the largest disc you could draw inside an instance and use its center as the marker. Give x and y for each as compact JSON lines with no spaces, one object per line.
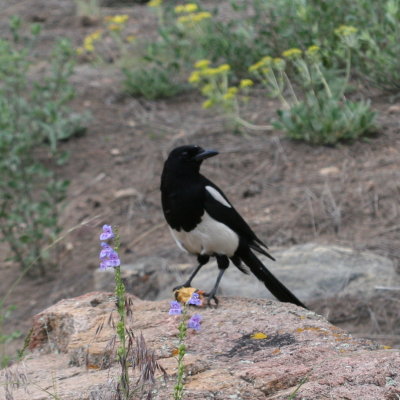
{"x":289,"y":192}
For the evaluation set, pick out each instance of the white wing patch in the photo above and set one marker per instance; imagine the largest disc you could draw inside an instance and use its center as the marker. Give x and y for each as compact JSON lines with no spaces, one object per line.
{"x":209,"y":237}
{"x":217,"y":196}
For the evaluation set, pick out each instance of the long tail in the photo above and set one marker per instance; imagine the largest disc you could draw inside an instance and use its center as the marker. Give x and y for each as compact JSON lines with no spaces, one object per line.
{"x":281,"y":292}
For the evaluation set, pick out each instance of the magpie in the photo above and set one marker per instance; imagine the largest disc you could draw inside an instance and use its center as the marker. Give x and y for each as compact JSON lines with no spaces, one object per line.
{"x":204,"y":223}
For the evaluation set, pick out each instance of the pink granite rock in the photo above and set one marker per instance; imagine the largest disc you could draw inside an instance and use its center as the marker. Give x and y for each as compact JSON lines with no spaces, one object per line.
{"x":297,"y":350}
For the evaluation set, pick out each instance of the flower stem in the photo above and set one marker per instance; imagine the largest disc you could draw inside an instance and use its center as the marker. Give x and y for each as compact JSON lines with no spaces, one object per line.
{"x":179,"y":386}
{"x":121,"y":325}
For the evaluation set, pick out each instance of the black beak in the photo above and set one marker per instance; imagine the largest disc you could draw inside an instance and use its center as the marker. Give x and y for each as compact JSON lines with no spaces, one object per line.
{"x":205,"y":154}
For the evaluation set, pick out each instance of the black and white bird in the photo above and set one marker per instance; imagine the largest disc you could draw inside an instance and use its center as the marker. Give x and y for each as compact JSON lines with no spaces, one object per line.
{"x":203,"y":222}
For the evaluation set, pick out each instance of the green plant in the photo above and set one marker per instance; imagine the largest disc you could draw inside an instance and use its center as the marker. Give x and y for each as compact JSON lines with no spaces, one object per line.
{"x":315,"y":108}
{"x":379,"y":59}
{"x":214,"y":84}
{"x":151,"y":82}
{"x":185,"y":322}
{"x":127,"y":356}
{"x":34,"y":116}
{"x":5,"y":314}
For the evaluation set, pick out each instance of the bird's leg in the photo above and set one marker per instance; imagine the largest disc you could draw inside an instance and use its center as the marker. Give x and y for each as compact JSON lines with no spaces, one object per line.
{"x":223,"y":264}
{"x":202,"y":259}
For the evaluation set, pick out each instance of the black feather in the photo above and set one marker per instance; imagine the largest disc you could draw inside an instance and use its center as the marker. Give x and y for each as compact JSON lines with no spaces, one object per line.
{"x":281,"y":292}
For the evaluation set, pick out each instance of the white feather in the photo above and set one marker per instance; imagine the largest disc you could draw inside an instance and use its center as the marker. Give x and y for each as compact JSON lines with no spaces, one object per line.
{"x":209,"y":237}
{"x":217,"y":196}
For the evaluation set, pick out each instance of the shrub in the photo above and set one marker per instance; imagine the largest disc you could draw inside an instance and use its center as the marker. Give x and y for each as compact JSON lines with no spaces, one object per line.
{"x":34,"y":116}
{"x":150,"y":82}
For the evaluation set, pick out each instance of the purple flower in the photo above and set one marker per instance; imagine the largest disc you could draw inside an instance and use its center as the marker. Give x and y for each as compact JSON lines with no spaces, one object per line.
{"x":195,"y":300}
{"x":175,"y":309}
{"x":194,"y":322}
{"x":107,"y":233}
{"x":106,"y":251}
{"x":108,"y":256}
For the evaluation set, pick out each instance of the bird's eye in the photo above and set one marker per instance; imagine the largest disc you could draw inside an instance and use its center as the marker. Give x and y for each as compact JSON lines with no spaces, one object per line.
{"x":185,"y":153}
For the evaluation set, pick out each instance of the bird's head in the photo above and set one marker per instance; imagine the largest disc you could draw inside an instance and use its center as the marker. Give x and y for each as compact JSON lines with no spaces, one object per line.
{"x":189,"y":156}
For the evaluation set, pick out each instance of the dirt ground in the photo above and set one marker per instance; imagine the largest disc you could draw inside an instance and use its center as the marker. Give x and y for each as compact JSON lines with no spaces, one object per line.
{"x":289,"y":192}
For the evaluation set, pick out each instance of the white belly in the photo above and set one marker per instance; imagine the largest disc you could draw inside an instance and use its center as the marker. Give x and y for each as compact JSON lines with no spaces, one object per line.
{"x":209,"y":237}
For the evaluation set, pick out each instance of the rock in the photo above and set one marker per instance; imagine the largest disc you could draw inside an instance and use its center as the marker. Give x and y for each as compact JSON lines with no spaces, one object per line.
{"x":145,"y":278}
{"x":312,"y":271}
{"x":296,"y":349}
{"x":329,"y":171}
{"x":394,"y":109}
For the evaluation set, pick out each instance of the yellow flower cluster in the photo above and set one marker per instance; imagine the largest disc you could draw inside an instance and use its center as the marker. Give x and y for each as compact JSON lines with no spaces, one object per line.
{"x":244,"y":83}
{"x":202,"y":64}
{"x":312,"y":50}
{"x":88,"y":42}
{"x":203,"y":70}
{"x":345,"y":30}
{"x":186,"y":8}
{"x":194,"y":17}
{"x":155,"y":3}
{"x":292,"y":53}
{"x":264,"y":62}
{"x":115,"y":22}
{"x":117,"y":19}
{"x":208,"y":104}
{"x":230,"y":94}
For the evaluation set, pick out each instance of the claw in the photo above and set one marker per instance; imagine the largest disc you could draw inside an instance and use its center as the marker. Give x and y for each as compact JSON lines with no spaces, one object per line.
{"x":211,"y":297}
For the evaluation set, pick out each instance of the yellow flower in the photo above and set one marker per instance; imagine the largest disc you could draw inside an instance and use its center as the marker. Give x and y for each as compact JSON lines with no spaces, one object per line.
{"x":201,"y":15}
{"x":265,"y":61}
{"x":184,"y":19}
{"x":202,"y":64}
{"x":206,"y":89}
{"x":80,"y":50}
{"x":256,"y":66}
{"x":119,"y":19}
{"x":190,"y":7}
{"x":224,"y":68}
{"x":208,"y":104}
{"x":194,"y":77}
{"x":88,"y":46}
{"x":312,"y":50}
{"x":228,"y":96}
{"x":246,"y":83}
{"x":232,"y":90}
{"x":179,"y":9}
{"x":292,"y":53}
{"x":266,"y":71}
{"x":210,"y":71}
{"x":155,"y":3}
{"x":96,"y":35}
{"x":194,"y":17}
{"x":345,"y":30}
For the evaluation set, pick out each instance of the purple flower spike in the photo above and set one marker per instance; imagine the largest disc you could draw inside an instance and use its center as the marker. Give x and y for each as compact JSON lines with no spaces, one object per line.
{"x":107,"y":233}
{"x":175,"y":309}
{"x":194,"y":300}
{"x":194,"y":322}
{"x":106,"y":251}
{"x":113,"y":259}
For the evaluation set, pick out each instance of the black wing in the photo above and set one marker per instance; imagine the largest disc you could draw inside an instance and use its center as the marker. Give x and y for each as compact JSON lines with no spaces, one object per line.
{"x":231,"y":218}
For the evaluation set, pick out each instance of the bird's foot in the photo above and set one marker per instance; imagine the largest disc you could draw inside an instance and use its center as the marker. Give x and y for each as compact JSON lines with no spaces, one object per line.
{"x":211,"y":296}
